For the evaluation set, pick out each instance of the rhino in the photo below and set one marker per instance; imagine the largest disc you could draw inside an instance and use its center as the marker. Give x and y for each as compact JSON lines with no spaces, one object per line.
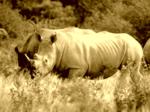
{"x":84,"y":54}
{"x":146,"y":51}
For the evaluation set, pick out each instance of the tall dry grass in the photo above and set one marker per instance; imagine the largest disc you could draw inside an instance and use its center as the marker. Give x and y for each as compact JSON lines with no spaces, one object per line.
{"x":19,"y":93}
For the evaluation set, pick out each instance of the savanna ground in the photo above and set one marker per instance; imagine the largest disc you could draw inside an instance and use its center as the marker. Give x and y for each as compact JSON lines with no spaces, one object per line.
{"x":20,"y":93}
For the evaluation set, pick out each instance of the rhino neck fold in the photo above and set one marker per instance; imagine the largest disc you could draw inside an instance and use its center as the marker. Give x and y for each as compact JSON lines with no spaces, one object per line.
{"x":60,"y":48}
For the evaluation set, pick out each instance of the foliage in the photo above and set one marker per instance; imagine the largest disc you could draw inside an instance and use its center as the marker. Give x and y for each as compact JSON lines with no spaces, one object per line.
{"x":136,"y":12}
{"x":13,"y":22}
{"x":130,"y":16}
{"x":49,"y":94}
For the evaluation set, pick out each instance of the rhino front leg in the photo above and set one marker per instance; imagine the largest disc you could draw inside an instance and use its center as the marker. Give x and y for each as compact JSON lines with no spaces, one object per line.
{"x":76,"y":72}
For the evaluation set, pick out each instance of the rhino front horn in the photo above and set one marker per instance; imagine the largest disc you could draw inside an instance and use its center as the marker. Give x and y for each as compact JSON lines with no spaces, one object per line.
{"x":30,"y":60}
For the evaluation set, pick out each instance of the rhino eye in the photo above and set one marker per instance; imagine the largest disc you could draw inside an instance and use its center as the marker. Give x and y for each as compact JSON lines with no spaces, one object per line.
{"x":36,"y":49}
{"x":45,"y":60}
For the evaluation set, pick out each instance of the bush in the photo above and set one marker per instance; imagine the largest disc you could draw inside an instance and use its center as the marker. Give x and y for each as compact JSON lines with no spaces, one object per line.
{"x":136,"y":12}
{"x":130,"y":16}
{"x":109,"y":22}
{"x":13,"y":22}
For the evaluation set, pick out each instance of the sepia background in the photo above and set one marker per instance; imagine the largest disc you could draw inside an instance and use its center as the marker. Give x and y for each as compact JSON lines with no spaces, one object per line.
{"x":20,"y":93}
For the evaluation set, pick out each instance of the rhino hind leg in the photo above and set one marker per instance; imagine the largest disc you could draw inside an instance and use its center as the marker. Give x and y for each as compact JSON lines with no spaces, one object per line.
{"x":134,"y":67}
{"x":136,"y":74}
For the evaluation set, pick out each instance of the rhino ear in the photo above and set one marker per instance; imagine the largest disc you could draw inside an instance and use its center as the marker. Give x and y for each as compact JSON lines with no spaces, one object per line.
{"x":17,"y":50}
{"x":39,"y":37}
{"x":53,"y":38}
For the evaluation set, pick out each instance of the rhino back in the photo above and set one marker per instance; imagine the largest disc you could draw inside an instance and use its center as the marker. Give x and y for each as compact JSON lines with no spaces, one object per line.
{"x":134,"y":48}
{"x":92,"y":52}
{"x":146,"y":50}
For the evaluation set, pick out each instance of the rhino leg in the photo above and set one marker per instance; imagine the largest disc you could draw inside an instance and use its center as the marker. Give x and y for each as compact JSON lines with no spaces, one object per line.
{"x":76,"y":72}
{"x":134,"y":67}
{"x":109,"y":72}
{"x":135,"y":74}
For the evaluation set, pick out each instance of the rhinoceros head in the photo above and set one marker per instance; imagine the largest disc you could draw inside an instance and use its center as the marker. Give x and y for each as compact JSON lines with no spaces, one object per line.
{"x":37,"y":54}
{"x":27,"y":51}
{"x":45,"y":58}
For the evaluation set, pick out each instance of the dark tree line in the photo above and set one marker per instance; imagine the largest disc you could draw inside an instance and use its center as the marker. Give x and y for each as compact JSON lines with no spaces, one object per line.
{"x":130,"y":16}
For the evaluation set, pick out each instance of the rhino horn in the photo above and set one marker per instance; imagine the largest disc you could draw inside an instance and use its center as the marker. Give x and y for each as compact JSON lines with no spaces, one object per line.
{"x":28,"y":59}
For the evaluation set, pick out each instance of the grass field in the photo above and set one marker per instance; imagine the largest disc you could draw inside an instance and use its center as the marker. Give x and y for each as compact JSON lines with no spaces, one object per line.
{"x":19,"y":93}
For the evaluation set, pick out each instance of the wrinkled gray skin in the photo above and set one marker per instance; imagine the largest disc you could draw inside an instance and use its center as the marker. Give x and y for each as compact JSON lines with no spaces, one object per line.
{"x":146,"y":51}
{"x":77,"y":53}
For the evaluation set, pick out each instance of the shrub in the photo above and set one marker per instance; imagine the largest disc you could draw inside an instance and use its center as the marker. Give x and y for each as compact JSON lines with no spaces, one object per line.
{"x":109,"y":22}
{"x":13,"y":22}
{"x":136,"y":12}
